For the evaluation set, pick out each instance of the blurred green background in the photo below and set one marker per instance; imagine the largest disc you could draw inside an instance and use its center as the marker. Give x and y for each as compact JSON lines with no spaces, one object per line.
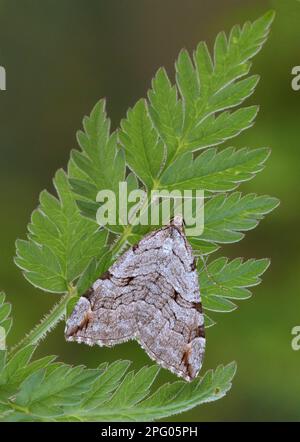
{"x":61,"y":56}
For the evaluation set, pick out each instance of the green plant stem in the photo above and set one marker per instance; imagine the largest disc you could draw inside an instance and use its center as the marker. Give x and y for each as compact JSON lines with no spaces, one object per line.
{"x":47,"y":323}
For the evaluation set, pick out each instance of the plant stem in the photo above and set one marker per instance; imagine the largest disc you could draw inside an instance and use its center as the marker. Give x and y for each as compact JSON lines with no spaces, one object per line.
{"x":47,"y":323}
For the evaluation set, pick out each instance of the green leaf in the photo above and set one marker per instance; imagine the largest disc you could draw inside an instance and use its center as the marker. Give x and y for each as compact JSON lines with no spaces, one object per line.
{"x":218,"y":304}
{"x":46,"y":392}
{"x":88,"y":209}
{"x":202,"y":248}
{"x":214,"y":171}
{"x":94,"y":270}
{"x":24,"y":372}
{"x":215,"y":130}
{"x":188,"y":85}
{"x":208,"y":85}
{"x":226,"y":217}
{"x":105,"y":385}
{"x":218,"y":79}
{"x":17,"y":362}
{"x":5,"y":310}
{"x":98,"y":153}
{"x":208,"y":321}
{"x":166,"y":110}
{"x":177,"y":397}
{"x":59,"y":392}
{"x":5,"y":325}
{"x":169,"y":399}
{"x":61,"y":242}
{"x":41,"y":267}
{"x":134,"y":388}
{"x":100,"y":165}
{"x":222,"y":281}
{"x":144,"y":150}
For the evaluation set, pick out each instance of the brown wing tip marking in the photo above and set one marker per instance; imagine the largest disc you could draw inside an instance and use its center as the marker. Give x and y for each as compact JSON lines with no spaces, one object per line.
{"x":79,"y":319}
{"x":185,"y":360}
{"x":194,"y":265}
{"x":201,"y":331}
{"x":198,"y":306}
{"x":106,"y":275}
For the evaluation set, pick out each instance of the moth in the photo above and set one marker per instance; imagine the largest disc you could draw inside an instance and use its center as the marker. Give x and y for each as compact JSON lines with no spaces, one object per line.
{"x":151,"y":294}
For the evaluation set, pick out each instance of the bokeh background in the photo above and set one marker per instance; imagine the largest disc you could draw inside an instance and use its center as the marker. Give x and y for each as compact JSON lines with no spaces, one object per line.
{"x":61,"y":56}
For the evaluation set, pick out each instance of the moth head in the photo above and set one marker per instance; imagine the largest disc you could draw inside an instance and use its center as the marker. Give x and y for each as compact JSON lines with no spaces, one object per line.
{"x":178,"y":222}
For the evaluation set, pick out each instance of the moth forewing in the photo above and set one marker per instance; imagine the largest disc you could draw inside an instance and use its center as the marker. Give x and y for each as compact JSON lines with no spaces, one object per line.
{"x":151,"y":294}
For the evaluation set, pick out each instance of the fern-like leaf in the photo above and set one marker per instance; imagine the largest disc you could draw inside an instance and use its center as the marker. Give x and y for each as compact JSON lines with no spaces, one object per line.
{"x":61,"y":243}
{"x":59,"y":392}
{"x":223,"y":281}
{"x":208,"y":86}
{"x":144,"y":150}
{"x":226,"y":217}
{"x":214,"y":171}
{"x":5,"y":310}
